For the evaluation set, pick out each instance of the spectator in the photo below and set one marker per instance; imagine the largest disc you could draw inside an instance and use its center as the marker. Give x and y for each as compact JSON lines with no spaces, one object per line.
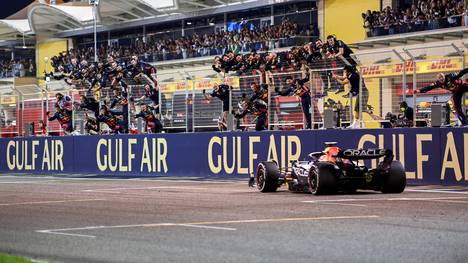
{"x":425,"y":15}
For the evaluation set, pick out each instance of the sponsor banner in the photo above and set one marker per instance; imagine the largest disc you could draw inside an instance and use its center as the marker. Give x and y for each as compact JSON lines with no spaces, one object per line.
{"x":47,"y":155}
{"x":173,"y":86}
{"x":434,"y":66}
{"x":208,"y":83}
{"x":198,"y":84}
{"x":8,"y":99}
{"x":430,"y":155}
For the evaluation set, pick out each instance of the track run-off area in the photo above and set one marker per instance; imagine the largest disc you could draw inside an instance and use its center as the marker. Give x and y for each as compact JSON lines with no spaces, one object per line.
{"x":91,"y":219}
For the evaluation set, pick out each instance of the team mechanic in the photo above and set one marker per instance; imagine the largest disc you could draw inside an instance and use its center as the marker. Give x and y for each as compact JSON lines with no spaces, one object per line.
{"x":256,"y":105}
{"x":351,"y":77}
{"x":298,"y":88}
{"x":221,"y":92}
{"x":453,"y":83}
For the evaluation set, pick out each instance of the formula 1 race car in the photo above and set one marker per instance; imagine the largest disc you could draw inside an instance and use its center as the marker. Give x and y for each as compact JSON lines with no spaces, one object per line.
{"x":333,"y":170}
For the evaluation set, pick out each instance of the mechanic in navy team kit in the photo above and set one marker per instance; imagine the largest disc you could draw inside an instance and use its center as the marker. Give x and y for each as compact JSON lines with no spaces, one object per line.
{"x":257,"y":107}
{"x":221,"y":92}
{"x":337,"y":48}
{"x":351,"y":77}
{"x":151,"y":93}
{"x":298,"y":88}
{"x":110,"y":119}
{"x":453,"y":83}
{"x":152,"y":123}
{"x":256,"y":104}
{"x":63,"y":118}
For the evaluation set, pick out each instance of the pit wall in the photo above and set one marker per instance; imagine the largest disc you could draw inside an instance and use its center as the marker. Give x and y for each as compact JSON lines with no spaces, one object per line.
{"x":430,"y":155}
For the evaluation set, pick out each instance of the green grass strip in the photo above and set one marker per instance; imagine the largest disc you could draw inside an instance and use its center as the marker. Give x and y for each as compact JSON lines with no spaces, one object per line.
{"x":4,"y":258}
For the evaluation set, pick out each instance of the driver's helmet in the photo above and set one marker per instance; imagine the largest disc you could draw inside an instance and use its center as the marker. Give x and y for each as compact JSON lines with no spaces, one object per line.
{"x":331,"y":151}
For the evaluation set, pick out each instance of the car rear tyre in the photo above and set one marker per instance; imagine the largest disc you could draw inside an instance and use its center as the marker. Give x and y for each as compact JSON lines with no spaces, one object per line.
{"x":322,"y":181}
{"x":396,"y":180}
{"x":267,"y":177}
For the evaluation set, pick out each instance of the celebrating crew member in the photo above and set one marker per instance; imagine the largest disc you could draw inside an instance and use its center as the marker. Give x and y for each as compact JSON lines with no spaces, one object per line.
{"x":92,"y":125}
{"x":298,"y":88}
{"x":89,"y":104}
{"x":152,"y":123}
{"x":64,"y":103}
{"x":351,"y":77}
{"x":153,"y":94}
{"x":337,"y":48}
{"x":63,"y":118}
{"x":120,"y":99}
{"x":260,"y":92}
{"x":221,"y":92}
{"x":257,"y":107}
{"x":453,"y":83}
{"x":111,"y":120}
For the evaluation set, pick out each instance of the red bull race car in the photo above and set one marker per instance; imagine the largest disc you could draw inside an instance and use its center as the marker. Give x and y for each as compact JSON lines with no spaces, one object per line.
{"x":333,"y":170}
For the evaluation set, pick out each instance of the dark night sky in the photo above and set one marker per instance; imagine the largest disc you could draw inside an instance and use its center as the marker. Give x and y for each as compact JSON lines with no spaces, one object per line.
{"x":9,"y":7}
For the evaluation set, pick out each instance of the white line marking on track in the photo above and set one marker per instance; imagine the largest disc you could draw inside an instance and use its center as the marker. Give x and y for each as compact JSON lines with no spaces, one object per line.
{"x":28,"y":182}
{"x":113,"y":190}
{"x":200,"y":224}
{"x":452,"y":201}
{"x":64,"y":234}
{"x":51,"y":202}
{"x":208,"y":227}
{"x":384,"y":199}
{"x":448,"y":191}
{"x":330,"y":203}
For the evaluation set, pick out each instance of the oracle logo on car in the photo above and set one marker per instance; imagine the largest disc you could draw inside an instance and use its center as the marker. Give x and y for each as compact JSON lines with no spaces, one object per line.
{"x":363,"y":152}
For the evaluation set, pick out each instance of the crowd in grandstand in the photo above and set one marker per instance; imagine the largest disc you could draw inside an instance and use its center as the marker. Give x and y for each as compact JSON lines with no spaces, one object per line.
{"x":17,"y":68}
{"x":241,"y":40}
{"x":197,"y":45}
{"x":424,"y":15}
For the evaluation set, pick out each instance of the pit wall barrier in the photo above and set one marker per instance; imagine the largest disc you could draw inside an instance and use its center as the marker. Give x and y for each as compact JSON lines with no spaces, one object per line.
{"x":430,"y":155}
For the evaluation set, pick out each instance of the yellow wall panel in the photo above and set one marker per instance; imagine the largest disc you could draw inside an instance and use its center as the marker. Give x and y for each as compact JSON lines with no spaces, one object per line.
{"x":48,"y":49}
{"x":343,"y":18}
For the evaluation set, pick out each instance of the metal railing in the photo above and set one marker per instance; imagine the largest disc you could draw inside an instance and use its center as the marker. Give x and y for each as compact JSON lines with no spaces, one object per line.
{"x":184,"y":108}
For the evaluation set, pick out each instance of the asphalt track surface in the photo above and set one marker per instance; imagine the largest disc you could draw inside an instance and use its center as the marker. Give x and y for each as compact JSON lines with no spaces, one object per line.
{"x":190,"y":220}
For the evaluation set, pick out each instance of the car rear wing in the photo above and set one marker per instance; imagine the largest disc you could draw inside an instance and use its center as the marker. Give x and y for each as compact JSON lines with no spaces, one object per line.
{"x":365,"y":154}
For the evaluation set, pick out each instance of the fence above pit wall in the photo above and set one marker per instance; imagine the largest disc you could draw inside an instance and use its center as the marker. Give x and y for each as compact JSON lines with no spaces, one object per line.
{"x":430,"y":155}
{"x":184,"y":108}
{"x":393,"y":78}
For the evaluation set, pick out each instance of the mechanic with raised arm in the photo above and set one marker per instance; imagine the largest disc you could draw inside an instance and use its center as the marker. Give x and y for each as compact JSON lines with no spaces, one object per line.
{"x":221,"y":92}
{"x":152,"y":123}
{"x":120,"y":98}
{"x":351,"y":77}
{"x":453,"y":83}
{"x":298,"y":88}
{"x":260,"y":92}
{"x":63,"y":118}
{"x":110,"y":119}
{"x":153,"y":94}
{"x":257,"y":107}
